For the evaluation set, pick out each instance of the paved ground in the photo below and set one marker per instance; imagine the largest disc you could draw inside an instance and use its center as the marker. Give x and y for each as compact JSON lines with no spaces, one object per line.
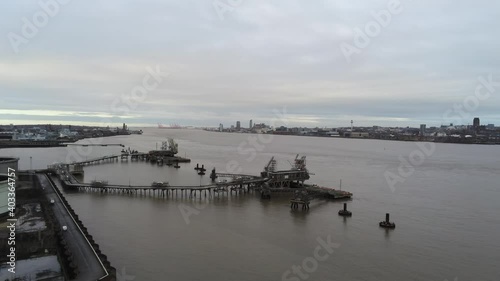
{"x":88,"y":264}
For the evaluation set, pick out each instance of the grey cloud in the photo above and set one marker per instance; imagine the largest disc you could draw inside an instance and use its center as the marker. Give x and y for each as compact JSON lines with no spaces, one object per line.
{"x":262,"y":56}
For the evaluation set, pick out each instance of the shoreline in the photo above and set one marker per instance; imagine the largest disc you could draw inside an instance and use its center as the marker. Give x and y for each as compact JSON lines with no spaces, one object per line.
{"x":41,"y":144}
{"x":346,"y":138}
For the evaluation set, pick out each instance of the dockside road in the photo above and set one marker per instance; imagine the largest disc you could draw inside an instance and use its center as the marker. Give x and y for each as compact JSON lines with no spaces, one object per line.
{"x":89,"y":265}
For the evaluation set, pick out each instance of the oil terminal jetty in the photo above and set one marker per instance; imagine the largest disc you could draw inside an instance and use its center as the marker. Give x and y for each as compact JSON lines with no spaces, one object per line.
{"x":270,"y":181}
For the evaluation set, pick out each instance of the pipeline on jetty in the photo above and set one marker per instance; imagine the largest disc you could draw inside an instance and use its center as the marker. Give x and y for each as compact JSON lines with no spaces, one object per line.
{"x":240,"y":183}
{"x":270,"y":181}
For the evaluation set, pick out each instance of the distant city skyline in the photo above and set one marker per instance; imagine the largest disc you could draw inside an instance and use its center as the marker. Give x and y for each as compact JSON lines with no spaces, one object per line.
{"x":198,"y":69}
{"x":276,"y":125}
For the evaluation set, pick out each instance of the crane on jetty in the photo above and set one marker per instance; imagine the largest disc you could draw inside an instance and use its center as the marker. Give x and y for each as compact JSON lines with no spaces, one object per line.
{"x":295,"y":177}
{"x":170,"y":145}
{"x":293,"y":180}
{"x":168,"y":148}
{"x":166,"y":153}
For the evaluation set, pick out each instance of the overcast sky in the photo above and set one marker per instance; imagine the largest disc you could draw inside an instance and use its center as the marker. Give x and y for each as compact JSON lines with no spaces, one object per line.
{"x":249,"y":61}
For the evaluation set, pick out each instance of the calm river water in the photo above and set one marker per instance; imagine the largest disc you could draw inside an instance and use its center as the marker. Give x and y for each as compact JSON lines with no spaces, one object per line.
{"x":447,"y":211}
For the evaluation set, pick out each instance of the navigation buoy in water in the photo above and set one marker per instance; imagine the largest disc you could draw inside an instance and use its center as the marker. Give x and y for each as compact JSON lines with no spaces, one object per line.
{"x":387,"y":223}
{"x":345,"y":212}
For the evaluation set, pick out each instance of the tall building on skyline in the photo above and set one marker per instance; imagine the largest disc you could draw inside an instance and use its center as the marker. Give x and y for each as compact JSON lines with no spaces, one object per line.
{"x":238,"y":125}
{"x":422,"y":129}
{"x":251,"y":124}
{"x":476,"y":123}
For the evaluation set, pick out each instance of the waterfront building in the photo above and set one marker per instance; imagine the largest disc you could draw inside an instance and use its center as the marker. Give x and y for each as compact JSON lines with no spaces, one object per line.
{"x":476,"y":123}
{"x":422,"y":129}
{"x":360,"y":134}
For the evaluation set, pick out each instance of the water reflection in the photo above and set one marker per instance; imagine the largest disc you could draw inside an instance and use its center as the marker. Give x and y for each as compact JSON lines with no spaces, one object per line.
{"x":387,"y":233}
